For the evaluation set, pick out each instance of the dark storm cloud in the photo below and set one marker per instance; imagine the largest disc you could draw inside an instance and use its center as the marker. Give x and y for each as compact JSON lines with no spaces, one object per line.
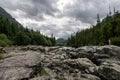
{"x":33,"y":8}
{"x":87,"y":10}
{"x":42,"y":7}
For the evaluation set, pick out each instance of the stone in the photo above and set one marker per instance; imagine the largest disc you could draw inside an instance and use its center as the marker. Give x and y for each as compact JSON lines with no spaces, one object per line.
{"x":43,"y":78}
{"x":15,"y":73}
{"x":109,"y":71}
{"x":89,"y":77}
{"x":19,"y":65}
{"x":110,"y":51}
{"x":80,"y":63}
{"x":60,"y":63}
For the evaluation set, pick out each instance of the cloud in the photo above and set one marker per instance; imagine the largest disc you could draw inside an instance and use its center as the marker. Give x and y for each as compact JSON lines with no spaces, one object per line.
{"x":60,"y":17}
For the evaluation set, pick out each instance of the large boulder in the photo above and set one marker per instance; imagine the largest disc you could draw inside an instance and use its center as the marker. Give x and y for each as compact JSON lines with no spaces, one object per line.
{"x":83,"y":52}
{"x":19,"y":65}
{"x":73,"y":65}
{"x":110,"y":51}
{"x":80,"y":63}
{"x":109,"y":71}
{"x":106,"y":53}
{"x":15,"y":73}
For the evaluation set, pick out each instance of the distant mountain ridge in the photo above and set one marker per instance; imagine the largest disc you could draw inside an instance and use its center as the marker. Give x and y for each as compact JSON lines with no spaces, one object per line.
{"x":3,"y":13}
{"x":61,"y":42}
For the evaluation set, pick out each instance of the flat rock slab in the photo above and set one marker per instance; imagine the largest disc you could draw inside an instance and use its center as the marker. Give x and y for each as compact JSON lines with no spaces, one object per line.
{"x":19,"y":65}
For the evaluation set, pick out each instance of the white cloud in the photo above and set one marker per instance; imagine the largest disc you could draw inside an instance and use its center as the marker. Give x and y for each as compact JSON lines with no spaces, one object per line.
{"x":61,"y":17}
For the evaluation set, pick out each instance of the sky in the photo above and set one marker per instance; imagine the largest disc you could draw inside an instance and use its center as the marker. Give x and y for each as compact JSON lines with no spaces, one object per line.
{"x":60,"y":17}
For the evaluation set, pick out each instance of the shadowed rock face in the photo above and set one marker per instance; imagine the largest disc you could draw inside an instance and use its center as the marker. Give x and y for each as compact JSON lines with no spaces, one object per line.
{"x":60,"y":63}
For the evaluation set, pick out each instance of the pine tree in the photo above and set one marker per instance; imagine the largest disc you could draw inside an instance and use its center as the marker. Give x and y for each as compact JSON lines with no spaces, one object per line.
{"x":108,"y":28}
{"x":98,"y":20}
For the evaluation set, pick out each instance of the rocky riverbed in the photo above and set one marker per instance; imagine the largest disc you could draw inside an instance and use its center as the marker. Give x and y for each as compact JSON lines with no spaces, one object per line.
{"x":60,"y":63}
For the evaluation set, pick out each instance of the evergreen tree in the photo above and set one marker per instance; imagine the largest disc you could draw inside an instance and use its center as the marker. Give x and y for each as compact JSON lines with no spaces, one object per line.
{"x":22,"y":39}
{"x":99,"y":34}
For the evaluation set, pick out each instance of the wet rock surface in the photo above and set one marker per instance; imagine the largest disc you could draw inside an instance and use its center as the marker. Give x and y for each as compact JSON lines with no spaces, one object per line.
{"x":60,"y":63}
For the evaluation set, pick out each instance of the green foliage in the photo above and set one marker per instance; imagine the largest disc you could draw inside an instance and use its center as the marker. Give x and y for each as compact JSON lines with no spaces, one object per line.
{"x":4,"y":41}
{"x":42,"y":72}
{"x":18,"y":35}
{"x":22,"y":39}
{"x":38,"y":39}
{"x":53,"y":41}
{"x":109,"y":28}
{"x":60,"y":78}
{"x":48,"y":43}
{"x":116,"y":41}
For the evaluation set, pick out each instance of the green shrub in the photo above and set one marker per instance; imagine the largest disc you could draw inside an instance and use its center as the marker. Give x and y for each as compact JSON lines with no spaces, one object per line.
{"x":101,"y":44}
{"x":60,"y":78}
{"x":48,"y":43}
{"x":43,"y":72}
{"x":116,"y":41}
{"x":4,"y":41}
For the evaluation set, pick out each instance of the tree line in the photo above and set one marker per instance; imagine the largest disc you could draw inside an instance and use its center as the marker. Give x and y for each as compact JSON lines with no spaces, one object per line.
{"x":12,"y":33}
{"x":107,"y":29}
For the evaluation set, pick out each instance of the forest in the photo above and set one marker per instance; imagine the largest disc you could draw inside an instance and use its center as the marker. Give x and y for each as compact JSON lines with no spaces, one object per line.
{"x":100,"y":34}
{"x":12,"y":33}
{"x":107,"y":29}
